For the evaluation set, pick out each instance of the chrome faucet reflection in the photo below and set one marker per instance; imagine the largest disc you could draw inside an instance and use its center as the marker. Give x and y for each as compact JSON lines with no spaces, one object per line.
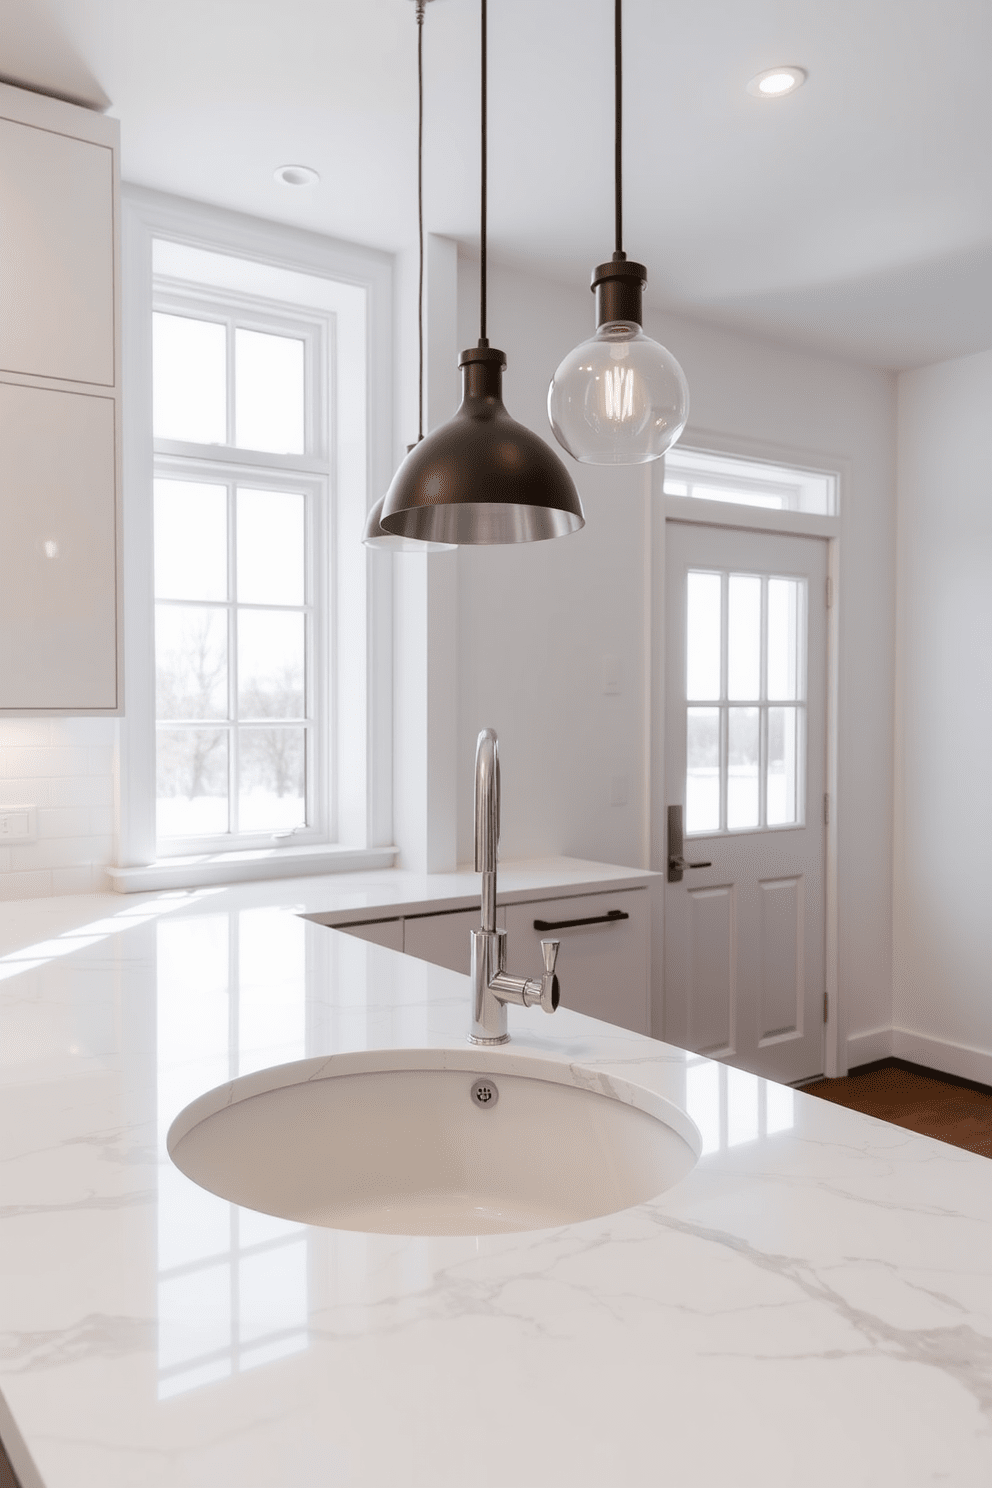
{"x":492,"y":986}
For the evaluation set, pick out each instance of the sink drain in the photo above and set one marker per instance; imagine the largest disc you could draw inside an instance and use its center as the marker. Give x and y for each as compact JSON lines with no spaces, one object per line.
{"x":484,"y":1094}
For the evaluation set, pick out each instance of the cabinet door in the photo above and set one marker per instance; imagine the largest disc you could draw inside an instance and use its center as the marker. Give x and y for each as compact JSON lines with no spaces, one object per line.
{"x":602,"y":967}
{"x":56,"y":254}
{"x":444,"y":939}
{"x":380,"y":932}
{"x":58,"y":582}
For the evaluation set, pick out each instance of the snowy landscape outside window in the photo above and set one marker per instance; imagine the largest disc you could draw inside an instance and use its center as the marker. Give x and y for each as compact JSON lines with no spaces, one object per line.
{"x":240,"y":506}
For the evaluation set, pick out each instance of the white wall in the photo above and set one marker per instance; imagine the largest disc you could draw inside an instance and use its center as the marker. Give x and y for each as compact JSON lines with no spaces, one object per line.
{"x":943,"y":869}
{"x":535,"y":622}
{"x":64,"y":767}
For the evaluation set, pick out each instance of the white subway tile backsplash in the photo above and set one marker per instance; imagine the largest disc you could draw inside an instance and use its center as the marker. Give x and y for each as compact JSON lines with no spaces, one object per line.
{"x":64,"y":767}
{"x":80,"y":790}
{"x":26,"y":885}
{"x":25,"y":732}
{"x":18,"y":792}
{"x":64,"y":821}
{"x":101,"y":821}
{"x":76,"y":880}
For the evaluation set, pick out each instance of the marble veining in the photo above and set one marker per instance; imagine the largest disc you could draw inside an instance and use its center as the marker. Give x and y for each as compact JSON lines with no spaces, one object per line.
{"x":812,"y":1303}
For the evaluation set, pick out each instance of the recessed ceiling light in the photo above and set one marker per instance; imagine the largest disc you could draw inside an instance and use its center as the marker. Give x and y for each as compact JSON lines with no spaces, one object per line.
{"x":296,"y":175}
{"x":776,"y":82}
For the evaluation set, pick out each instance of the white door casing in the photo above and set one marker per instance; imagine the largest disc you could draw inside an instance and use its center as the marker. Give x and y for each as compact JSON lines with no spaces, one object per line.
{"x":744,"y":937}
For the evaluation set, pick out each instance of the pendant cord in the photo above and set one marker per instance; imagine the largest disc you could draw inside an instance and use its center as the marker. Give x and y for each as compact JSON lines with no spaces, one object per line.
{"x":483,"y":265}
{"x":421,"y":7}
{"x":618,"y":122}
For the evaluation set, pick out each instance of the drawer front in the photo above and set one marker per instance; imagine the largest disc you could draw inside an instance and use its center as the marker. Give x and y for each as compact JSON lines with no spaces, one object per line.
{"x":602,"y":967}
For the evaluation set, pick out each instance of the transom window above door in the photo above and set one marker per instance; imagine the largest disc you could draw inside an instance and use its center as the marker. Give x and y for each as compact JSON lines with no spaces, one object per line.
{"x":708,"y":476}
{"x":745,"y":674}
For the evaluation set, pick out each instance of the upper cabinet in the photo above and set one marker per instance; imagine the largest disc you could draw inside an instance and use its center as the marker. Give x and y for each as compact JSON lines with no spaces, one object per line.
{"x":60,"y":425}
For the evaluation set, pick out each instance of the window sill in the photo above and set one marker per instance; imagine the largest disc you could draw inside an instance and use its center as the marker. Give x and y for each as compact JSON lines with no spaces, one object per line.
{"x":238,"y":867}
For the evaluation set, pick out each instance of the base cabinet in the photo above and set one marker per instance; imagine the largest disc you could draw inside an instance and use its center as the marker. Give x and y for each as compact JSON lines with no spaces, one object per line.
{"x":603,"y":963}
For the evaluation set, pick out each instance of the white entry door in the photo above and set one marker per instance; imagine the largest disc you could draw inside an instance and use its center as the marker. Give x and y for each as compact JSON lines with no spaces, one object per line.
{"x":744,"y":749}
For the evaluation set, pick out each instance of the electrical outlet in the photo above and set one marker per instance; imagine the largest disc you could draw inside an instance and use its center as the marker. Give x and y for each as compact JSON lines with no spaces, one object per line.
{"x":18,"y":824}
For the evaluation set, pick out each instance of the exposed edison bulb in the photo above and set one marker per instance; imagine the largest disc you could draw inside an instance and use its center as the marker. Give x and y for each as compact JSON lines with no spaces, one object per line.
{"x":619,"y":398}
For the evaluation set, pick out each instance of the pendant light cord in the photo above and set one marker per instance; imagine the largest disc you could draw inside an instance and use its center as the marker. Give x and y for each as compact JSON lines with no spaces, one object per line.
{"x":421,"y":7}
{"x":618,"y":123}
{"x":483,"y":192}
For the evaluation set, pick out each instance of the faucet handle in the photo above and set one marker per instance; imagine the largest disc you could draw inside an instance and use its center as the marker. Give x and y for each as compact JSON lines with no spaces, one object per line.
{"x":550,"y":991}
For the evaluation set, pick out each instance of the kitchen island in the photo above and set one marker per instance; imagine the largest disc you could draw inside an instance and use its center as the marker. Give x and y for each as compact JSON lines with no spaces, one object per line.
{"x":812,"y":1304}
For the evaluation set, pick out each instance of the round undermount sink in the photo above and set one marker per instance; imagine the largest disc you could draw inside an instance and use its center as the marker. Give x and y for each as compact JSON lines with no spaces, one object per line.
{"x":432,"y":1142}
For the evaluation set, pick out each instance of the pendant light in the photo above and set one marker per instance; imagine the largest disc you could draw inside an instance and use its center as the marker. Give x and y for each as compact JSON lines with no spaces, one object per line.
{"x":620,"y":398}
{"x":482,"y":477}
{"x":375,"y":535}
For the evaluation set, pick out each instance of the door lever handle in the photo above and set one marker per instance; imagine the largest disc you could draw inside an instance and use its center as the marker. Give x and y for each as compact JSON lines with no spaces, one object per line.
{"x":676,"y":862}
{"x":681,"y":865}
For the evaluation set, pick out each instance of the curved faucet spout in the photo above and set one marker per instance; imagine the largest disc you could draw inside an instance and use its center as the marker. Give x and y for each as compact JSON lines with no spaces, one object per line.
{"x":493,"y":986}
{"x":487,"y":821}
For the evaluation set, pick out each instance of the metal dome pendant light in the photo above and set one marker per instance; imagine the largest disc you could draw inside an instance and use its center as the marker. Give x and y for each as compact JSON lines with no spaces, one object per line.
{"x":619,"y":398}
{"x":375,"y":535}
{"x":482,"y":477}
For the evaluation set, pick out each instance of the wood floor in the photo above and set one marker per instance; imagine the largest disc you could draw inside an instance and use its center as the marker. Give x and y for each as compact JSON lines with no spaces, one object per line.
{"x":922,"y":1100}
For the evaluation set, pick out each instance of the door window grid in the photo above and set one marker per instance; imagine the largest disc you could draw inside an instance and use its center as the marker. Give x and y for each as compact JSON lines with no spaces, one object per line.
{"x":243,"y":779}
{"x":745,"y":702}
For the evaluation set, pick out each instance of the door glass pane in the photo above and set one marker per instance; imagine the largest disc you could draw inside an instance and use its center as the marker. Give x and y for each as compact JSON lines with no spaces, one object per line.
{"x":189,"y":379}
{"x":190,"y":661}
{"x":702,"y":770}
{"x":268,"y":392}
{"x":783,"y":754}
{"x":742,"y":768}
{"x":744,"y":637}
{"x":270,"y":664}
{"x":273,"y":779}
{"x":190,"y":540}
{"x":786,"y":641}
{"x":192,"y":782}
{"x":703,"y":636}
{"x":271,"y":547}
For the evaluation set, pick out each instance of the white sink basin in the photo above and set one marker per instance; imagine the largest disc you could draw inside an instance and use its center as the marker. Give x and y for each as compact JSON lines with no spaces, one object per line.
{"x":398,"y":1143}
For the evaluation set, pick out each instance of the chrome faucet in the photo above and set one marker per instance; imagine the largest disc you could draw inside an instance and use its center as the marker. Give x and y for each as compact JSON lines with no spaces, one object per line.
{"x":492,"y":986}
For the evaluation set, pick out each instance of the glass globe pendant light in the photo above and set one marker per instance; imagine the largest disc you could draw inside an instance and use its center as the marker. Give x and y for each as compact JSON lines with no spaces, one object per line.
{"x":619,"y":398}
{"x":482,"y":477}
{"x":375,"y":535}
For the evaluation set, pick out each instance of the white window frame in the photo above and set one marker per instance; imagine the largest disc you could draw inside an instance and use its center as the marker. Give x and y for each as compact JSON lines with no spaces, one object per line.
{"x":359,"y":436}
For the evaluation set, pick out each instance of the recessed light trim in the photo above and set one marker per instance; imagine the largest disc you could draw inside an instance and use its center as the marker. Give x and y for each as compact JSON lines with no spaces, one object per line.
{"x":777,"y":82}
{"x":296,"y":175}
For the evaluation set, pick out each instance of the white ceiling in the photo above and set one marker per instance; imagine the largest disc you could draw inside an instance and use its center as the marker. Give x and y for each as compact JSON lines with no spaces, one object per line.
{"x":855,"y":216}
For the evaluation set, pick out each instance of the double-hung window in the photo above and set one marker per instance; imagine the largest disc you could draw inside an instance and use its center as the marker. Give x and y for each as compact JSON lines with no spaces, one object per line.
{"x":258,"y":424}
{"x":241,"y":502}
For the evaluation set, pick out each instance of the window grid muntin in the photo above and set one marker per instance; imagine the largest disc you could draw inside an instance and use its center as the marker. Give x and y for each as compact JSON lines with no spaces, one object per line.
{"x":240,"y":312}
{"x":763,"y":703}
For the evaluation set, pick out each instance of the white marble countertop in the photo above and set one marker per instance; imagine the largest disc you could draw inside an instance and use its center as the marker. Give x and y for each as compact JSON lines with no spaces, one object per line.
{"x":811,"y":1305}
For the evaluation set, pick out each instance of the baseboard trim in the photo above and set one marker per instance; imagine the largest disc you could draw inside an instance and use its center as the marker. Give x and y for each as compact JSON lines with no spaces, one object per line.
{"x":865,"y":1048}
{"x":940,"y":1054}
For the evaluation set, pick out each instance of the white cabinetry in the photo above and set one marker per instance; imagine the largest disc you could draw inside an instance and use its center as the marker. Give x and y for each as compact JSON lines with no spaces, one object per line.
{"x":603,"y":963}
{"x":59,"y":408}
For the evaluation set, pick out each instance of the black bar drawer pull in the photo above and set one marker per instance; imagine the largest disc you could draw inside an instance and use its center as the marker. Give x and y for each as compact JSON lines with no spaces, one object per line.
{"x":608,"y":919}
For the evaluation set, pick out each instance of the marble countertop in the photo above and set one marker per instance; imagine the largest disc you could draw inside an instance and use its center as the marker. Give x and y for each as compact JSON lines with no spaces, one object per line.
{"x":812,"y":1304}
